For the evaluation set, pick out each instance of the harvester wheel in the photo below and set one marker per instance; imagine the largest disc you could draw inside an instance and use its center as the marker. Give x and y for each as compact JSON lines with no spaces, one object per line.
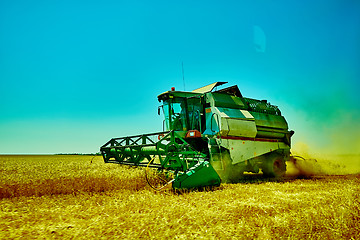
{"x":274,"y":166}
{"x":157,"y":180}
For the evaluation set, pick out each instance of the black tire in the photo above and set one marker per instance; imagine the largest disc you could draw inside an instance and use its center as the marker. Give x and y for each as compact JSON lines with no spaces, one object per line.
{"x":274,"y":166}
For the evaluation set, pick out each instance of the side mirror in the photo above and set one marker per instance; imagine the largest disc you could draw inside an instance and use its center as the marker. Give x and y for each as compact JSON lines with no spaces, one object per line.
{"x":159,"y":110}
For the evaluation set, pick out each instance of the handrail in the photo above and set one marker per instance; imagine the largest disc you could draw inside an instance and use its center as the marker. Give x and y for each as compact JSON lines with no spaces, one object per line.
{"x":193,"y":119}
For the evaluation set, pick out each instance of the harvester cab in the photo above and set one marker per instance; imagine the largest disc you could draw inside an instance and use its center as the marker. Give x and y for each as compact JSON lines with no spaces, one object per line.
{"x":209,"y":137}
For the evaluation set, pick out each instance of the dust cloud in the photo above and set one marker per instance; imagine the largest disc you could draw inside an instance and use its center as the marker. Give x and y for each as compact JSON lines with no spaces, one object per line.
{"x":309,"y":163}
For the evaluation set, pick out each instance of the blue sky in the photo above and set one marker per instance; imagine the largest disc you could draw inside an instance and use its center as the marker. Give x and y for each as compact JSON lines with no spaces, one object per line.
{"x":74,"y":74}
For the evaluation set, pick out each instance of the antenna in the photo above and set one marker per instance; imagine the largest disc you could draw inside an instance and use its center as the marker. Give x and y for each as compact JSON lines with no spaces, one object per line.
{"x":182,"y":67}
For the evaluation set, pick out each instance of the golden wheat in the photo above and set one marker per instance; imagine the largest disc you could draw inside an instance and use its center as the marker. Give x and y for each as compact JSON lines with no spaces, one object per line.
{"x":75,"y":198}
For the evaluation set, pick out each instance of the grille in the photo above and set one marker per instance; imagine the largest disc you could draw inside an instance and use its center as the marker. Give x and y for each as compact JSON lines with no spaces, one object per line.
{"x":262,"y":106}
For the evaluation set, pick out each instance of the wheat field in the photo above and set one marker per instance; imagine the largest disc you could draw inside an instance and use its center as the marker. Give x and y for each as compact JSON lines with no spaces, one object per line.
{"x":80,"y":197}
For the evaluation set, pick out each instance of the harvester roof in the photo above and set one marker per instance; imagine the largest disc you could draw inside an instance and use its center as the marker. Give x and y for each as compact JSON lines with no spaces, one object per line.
{"x":171,"y":94}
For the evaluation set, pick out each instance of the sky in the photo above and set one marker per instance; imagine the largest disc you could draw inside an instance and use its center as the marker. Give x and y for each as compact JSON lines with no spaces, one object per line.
{"x":74,"y":74}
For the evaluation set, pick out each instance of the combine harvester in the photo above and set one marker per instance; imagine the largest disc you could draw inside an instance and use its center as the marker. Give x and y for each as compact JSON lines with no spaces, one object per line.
{"x":209,"y":136}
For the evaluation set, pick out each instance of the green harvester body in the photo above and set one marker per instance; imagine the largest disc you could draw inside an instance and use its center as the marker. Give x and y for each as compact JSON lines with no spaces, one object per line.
{"x":209,"y":137}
